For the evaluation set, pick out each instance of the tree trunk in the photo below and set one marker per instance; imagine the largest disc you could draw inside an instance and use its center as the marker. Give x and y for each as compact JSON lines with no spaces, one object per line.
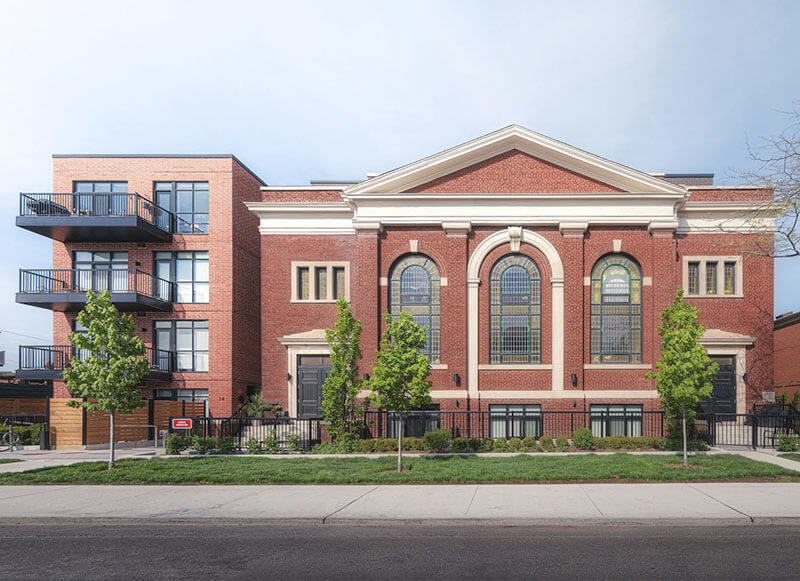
{"x":111,"y":439}
{"x":400,"y":445}
{"x":685,"y":455}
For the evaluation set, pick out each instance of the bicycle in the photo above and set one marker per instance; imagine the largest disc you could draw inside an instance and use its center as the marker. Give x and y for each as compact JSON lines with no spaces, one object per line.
{"x":9,"y":439}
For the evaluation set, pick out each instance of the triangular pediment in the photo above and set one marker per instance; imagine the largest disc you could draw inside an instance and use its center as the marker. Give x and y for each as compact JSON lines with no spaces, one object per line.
{"x":560,"y":167}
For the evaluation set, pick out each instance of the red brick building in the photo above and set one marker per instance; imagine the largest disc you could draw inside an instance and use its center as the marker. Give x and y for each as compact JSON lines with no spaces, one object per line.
{"x":172,"y":240}
{"x":540,"y":271}
{"x":787,"y":355}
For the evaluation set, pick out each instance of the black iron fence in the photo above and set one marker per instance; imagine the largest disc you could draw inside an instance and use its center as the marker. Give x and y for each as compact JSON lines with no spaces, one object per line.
{"x":757,"y":429}
{"x":27,"y":429}
{"x":275,"y":434}
{"x":516,"y":424}
{"x":97,"y":204}
{"x":78,"y":280}
{"x":57,"y":357}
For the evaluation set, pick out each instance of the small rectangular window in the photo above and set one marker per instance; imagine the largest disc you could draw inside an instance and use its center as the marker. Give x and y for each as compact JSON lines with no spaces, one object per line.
{"x":711,"y":278}
{"x":616,"y":420}
{"x":188,"y":201}
{"x":321,"y":283}
{"x":188,"y":339}
{"x":515,"y":421}
{"x":338,"y":282}
{"x":694,"y":278}
{"x":730,"y":278}
{"x":302,"y":284}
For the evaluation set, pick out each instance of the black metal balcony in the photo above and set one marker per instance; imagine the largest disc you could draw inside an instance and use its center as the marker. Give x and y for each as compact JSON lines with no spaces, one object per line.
{"x":95,"y":217}
{"x":47,"y":362}
{"x":65,"y":289}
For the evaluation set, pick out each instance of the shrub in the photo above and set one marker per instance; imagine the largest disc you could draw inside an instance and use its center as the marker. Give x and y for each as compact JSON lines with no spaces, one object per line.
{"x":461,"y":445}
{"x":676,"y":444}
{"x":203,"y":445}
{"x":528,"y":443}
{"x":367,"y":446}
{"x":177,"y":443}
{"x":475,"y":444}
{"x":345,"y":444}
{"x":487,"y":445}
{"x":227,"y":445}
{"x":787,"y":443}
{"x":500,"y":445}
{"x":385,"y":444}
{"x":562,"y":443}
{"x":437,"y":440}
{"x":514,"y":444}
{"x":254,"y":446}
{"x":583,"y":439}
{"x":704,"y":435}
{"x":272,"y":444}
{"x":324,"y":448}
{"x":413,"y":444}
{"x":294,"y":443}
{"x":546,"y":442}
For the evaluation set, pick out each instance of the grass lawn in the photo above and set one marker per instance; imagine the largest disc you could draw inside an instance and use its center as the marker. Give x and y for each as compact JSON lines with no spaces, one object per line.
{"x":9,"y":460}
{"x":791,"y":456}
{"x":455,"y":469}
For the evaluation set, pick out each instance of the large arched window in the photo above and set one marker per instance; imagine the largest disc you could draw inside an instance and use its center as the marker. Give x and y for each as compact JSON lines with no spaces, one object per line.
{"x":515,"y":311}
{"x":616,"y":310}
{"x":415,"y":290}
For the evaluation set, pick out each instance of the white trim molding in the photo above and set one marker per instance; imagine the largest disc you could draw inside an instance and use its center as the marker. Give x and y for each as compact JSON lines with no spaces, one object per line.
{"x":721,"y":217}
{"x":311,"y":342}
{"x":557,"y":310}
{"x":719,"y":342}
{"x":303,"y":218}
{"x":514,"y":137}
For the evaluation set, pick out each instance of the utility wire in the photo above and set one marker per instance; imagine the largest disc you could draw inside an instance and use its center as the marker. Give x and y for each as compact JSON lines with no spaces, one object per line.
{"x":22,"y":335}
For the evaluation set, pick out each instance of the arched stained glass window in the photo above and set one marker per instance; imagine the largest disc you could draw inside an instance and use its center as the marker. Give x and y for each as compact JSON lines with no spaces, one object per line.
{"x":415,"y":284}
{"x":515,"y":311}
{"x":616,"y":318}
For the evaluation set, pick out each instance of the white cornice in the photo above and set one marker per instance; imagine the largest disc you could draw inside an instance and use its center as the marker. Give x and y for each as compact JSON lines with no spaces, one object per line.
{"x":510,"y":138}
{"x":303,"y":218}
{"x":314,"y":188}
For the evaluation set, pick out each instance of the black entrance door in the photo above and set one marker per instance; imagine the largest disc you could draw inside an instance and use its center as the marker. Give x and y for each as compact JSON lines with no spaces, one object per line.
{"x":312,"y":371}
{"x":723,"y":398}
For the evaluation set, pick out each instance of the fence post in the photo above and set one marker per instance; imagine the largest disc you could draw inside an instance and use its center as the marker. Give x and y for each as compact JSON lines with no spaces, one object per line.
{"x":755,"y":430}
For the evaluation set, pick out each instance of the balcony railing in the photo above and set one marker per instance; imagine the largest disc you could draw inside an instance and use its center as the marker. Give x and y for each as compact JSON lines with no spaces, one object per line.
{"x":64,"y":289}
{"x":95,"y":216}
{"x":48,"y":361}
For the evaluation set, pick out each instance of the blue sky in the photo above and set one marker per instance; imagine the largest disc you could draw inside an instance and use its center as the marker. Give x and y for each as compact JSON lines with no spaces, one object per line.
{"x":306,"y":90}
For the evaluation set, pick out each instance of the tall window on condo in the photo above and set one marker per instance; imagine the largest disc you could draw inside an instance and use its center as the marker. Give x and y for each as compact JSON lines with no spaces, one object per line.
{"x":415,"y":285}
{"x":515,"y":311}
{"x":616,"y":317}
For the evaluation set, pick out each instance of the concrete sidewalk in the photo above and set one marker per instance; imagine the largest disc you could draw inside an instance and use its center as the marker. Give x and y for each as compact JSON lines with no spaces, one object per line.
{"x":499,"y":504}
{"x":32,"y":459}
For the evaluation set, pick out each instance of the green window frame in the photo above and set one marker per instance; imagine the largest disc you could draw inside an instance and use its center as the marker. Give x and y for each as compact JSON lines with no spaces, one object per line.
{"x":415,"y":286}
{"x":515,"y":311}
{"x":616,"y":310}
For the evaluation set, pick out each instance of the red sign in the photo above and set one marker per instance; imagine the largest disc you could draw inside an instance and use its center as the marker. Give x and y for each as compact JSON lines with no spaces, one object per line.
{"x":181,"y":423}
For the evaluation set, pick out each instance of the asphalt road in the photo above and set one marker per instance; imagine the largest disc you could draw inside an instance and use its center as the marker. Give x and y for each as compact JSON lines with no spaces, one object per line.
{"x":213,"y":551}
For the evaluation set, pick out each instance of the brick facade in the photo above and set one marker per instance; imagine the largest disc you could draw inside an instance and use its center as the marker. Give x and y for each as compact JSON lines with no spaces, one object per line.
{"x":234,"y":251}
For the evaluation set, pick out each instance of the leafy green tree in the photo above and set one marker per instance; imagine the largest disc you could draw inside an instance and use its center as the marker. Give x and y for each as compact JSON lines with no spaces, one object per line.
{"x":111,"y":362}
{"x":341,"y":388}
{"x":399,"y":381}
{"x":685,"y":371}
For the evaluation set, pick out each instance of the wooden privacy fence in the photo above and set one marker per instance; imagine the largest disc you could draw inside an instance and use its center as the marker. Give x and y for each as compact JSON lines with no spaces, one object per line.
{"x":74,"y":427}
{"x":23,"y":405}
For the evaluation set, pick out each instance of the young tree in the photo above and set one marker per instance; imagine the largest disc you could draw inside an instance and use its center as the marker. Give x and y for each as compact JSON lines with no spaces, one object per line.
{"x":685,"y":371}
{"x":111,"y":364}
{"x":341,"y":388}
{"x":399,"y":381}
